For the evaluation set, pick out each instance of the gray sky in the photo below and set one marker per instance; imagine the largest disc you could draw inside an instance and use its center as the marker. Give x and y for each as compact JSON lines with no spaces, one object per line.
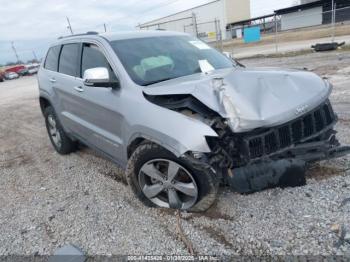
{"x":32,"y":24}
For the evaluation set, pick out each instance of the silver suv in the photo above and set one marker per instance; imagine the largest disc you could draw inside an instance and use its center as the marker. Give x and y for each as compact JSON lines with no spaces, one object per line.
{"x":182,"y":118}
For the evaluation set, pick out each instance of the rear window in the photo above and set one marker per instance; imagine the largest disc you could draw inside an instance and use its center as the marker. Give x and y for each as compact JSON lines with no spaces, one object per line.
{"x":68,"y":63}
{"x":51,"y":62}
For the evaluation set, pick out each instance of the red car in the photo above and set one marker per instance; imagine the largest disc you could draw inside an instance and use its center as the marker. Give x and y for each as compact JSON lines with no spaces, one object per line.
{"x":2,"y":77}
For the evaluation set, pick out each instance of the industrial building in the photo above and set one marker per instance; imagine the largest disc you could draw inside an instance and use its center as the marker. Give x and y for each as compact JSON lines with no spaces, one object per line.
{"x":206,"y":21}
{"x":313,"y":13}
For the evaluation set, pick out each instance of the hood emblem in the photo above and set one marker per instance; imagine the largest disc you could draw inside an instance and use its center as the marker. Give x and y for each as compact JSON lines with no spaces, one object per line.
{"x":301,"y":109}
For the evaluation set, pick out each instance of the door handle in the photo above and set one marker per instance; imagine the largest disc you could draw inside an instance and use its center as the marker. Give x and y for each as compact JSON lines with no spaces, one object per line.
{"x":52,"y":80}
{"x":79,"y":88}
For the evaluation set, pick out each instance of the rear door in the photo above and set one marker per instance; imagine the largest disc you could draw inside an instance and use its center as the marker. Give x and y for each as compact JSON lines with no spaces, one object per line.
{"x":68,"y":87}
{"x":48,"y":73}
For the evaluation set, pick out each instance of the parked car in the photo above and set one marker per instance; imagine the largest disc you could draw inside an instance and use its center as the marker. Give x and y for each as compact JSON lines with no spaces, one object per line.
{"x":32,"y":70}
{"x":11,"y":75}
{"x":181,"y":118}
{"x":23,"y":72}
{"x":1,"y":78}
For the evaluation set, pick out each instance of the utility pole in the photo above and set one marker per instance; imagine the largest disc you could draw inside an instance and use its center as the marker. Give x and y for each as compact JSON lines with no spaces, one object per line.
{"x":69,"y":26}
{"x":104,"y":25}
{"x":333,"y":20}
{"x":35,"y":57}
{"x":15,"y":51}
{"x":276,"y":33}
{"x":194,"y":24}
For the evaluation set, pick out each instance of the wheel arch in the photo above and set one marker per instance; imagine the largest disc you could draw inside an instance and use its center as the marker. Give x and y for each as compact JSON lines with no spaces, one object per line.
{"x":139,"y":139}
{"x":44,"y":103}
{"x":173,"y":144}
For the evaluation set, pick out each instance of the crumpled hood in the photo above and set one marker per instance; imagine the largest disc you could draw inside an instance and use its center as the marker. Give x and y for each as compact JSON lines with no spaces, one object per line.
{"x":262,"y":97}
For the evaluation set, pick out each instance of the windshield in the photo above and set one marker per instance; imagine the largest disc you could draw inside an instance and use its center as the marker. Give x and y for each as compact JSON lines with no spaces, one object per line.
{"x":156,"y":59}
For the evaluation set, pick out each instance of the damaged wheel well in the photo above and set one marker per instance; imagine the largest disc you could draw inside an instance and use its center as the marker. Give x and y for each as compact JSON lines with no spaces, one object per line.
{"x":135,"y":144}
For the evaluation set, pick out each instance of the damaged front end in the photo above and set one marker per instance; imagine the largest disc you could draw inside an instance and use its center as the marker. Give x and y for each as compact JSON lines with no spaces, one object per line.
{"x":275,"y":156}
{"x":266,"y":157}
{"x":263,"y":157}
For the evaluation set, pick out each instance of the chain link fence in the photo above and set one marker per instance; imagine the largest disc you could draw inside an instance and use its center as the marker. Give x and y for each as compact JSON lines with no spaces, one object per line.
{"x":285,"y":30}
{"x":278,"y":31}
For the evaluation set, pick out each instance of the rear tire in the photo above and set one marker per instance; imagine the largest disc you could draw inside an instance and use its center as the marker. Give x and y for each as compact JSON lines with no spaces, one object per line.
{"x":205,"y":183}
{"x":59,"y":139}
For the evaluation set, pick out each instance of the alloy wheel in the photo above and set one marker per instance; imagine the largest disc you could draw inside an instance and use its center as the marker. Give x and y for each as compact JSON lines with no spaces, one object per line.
{"x":54,"y":133}
{"x":168,"y":184}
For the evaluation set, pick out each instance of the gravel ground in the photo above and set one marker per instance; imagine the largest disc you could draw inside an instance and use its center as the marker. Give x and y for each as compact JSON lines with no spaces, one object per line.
{"x":48,"y":200}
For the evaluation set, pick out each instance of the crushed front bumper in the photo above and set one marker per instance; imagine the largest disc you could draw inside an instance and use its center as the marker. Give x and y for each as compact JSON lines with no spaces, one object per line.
{"x":286,"y":172}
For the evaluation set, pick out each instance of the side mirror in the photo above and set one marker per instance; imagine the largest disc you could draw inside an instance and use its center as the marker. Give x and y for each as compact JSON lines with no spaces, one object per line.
{"x":98,"y":77}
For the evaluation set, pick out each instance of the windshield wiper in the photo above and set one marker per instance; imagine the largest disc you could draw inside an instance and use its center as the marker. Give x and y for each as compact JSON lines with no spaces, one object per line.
{"x":158,"y":81}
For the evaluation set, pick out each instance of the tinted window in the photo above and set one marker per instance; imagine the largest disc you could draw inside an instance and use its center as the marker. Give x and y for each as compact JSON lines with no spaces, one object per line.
{"x":93,"y":57}
{"x":69,"y":59}
{"x":51,"y":61}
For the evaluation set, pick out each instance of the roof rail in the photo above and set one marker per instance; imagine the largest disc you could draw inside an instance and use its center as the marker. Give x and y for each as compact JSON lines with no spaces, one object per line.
{"x":87,"y":33}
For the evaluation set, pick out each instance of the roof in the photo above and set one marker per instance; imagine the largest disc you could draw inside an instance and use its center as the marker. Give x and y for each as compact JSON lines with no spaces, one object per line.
{"x":120,"y":35}
{"x":138,"y":34}
{"x":297,"y":8}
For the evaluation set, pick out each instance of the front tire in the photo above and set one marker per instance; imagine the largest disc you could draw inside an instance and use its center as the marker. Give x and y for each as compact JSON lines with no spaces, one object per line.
{"x":59,"y":139}
{"x":160,"y":179}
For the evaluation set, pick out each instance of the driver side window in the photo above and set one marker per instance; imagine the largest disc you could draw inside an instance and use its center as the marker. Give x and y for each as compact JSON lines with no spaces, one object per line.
{"x":92,"y":57}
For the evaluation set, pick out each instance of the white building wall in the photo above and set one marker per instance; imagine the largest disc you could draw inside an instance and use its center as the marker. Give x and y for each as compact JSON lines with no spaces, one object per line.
{"x":224,"y":11}
{"x":305,"y":18}
{"x":182,"y":21}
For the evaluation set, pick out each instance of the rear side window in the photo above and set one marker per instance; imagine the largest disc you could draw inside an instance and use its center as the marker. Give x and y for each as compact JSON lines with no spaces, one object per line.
{"x":68,"y":63}
{"x":51,"y":62}
{"x":92,"y":57}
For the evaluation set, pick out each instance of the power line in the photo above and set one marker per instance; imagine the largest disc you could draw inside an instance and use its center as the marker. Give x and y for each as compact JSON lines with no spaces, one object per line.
{"x":124,"y":17}
{"x":149,"y":9}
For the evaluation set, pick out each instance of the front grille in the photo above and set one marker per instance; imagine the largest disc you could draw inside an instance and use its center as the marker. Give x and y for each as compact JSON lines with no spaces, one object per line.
{"x":294,"y":132}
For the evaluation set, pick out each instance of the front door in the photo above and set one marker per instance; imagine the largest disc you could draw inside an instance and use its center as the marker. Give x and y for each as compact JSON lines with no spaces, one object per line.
{"x":99,"y":107}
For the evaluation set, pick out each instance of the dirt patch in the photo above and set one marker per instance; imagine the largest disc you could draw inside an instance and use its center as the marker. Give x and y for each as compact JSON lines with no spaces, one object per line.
{"x":16,"y":161}
{"x":344,"y":121}
{"x":115,"y":175}
{"x":320,"y":172}
{"x":326,"y":70}
{"x":217,"y":235}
